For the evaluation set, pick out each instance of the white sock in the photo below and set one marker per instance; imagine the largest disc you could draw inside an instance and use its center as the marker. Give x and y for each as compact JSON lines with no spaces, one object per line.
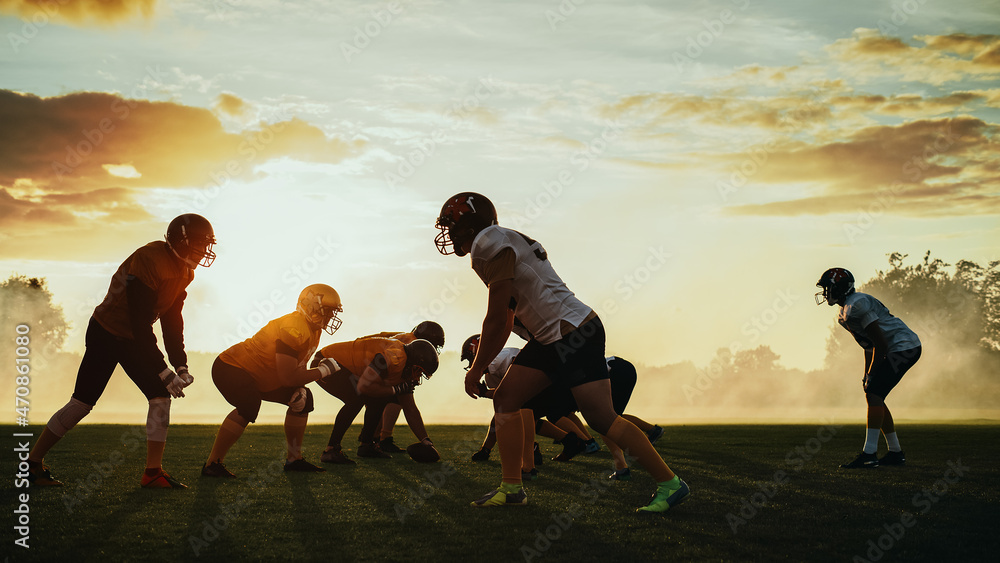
{"x":871,"y":440}
{"x":893,"y":442}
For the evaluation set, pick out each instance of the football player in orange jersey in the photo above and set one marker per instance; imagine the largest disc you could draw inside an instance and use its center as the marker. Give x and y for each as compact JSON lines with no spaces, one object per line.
{"x":271,"y":366}
{"x":566,"y":346}
{"x":426,"y":330}
{"x":374,"y":370}
{"x":149,"y":285}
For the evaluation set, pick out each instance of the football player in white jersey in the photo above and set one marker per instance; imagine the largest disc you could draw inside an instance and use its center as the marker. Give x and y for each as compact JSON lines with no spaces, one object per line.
{"x":891,"y":349}
{"x":567,"y":345}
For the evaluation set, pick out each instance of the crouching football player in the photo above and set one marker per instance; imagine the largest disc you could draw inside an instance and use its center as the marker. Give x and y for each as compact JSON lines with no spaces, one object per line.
{"x":149,"y":285}
{"x":374,"y":371}
{"x":891,"y":349}
{"x":272,"y":366}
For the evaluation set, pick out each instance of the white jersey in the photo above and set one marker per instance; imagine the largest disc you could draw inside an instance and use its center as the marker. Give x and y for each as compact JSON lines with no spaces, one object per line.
{"x":543,"y":300}
{"x":498,"y":367}
{"x":860,"y":310}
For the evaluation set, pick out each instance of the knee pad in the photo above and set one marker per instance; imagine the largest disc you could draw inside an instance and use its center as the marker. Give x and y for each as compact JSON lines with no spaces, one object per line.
{"x":301,"y":402}
{"x":67,"y":417}
{"x":158,"y":419}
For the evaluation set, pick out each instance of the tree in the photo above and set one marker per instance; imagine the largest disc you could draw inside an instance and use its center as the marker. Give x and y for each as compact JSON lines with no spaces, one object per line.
{"x":28,"y":301}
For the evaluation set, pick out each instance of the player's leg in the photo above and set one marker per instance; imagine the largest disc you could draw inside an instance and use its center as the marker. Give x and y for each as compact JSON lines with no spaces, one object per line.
{"x":389,"y":417}
{"x":488,"y":442}
{"x":239,"y":388}
{"x":653,"y":431}
{"x":300,"y":404}
{"x":374,"y":409}
{"x":901,"y":362}
{"x":157,"y":419}
{"x":572,"y":423}
{"x":528,"y":470}
{"x":519,"y":384}
{"x":621,"y":472}
{"x":99,"y":361}
{"x":341,"y":387}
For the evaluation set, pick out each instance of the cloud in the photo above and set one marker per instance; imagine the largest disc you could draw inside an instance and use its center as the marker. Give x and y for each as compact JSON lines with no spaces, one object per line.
{"x":74,"y":166}
{"x":926,"y":167}
{"x":81,"y":12}
{"x":231,"y":105}
{"x":64,"y":143}
{"x":908,"y":105}
{"x":942,"y":59}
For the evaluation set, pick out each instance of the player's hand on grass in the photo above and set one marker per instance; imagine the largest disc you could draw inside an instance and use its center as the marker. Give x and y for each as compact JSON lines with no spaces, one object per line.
{"x":173,"y":383}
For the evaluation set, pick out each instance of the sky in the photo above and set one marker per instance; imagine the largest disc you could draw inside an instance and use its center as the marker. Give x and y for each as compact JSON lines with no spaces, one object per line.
{"x":690,"y":167}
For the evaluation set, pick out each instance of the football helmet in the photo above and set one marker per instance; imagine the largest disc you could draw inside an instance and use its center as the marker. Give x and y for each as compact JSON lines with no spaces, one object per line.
{"x":836,"y":284}
{"x":431,"y":332}
{"x":320,"y":304}
{"x":461,"y":219}
{"x":191,"y":237}
{"x":469,"y":349}
{"x":420,"y":354}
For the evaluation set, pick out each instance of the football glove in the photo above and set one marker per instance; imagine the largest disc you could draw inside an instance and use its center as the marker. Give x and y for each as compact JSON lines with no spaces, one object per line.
{"x":327,"y":366}
{"x":403,"y":388}
{"x":185,"y":375}
{"x":316,"y":359}
{"x":298,"y":401}
{"x":173,"y":383}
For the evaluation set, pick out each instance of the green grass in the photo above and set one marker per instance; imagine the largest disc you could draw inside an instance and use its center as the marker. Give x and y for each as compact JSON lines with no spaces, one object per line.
{"x":817,"y":512}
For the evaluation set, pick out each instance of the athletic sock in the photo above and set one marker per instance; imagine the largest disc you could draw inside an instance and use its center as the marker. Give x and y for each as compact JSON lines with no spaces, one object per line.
{"x":509,"y":488}
{"x":528,"y":449}
{"x":871,"y":440}
{"x":635,"y":442}
{"x":229,"y":433}
{"x":510,"y":442}
{"x":893,"y":442}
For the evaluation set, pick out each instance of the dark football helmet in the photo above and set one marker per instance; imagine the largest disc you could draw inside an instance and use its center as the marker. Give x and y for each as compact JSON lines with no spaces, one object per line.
{"x":469,"y":349}
{"x":461,"y":219}
{"x":191,"y":237}
{"x":431,"y":332}
{"x":836,"y":284}
{"x":420,"y":354}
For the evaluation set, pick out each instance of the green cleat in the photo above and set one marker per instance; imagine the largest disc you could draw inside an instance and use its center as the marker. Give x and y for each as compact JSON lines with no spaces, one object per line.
{"x":667,"y":496}
{"x":506,"y":495}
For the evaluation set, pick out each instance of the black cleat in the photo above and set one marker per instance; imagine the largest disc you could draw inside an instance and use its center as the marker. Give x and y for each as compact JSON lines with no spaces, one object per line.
{"x":572,"y":445}
{"x":371,"y":450}
{"x":216,"y":469}
{"x":388,"y":446}
{"x":537,"y":454}
{"x":863,"y":461}
{"x":336,"y":456}
{"x":655,"y":434}
{"x":893,"y":458}
{"x":302,"y":466}
{"x":482,"y":455}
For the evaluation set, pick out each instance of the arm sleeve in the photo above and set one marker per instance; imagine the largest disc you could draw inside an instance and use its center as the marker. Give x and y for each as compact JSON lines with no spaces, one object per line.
{"x":172,"y":324}
{"x":141,"y":315}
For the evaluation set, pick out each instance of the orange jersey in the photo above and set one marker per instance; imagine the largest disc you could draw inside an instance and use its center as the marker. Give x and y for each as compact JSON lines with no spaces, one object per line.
{"x":358,"y":354}
{"x":155,"y":266}
{"x":404,"y":337}
{"x":256,"y":354}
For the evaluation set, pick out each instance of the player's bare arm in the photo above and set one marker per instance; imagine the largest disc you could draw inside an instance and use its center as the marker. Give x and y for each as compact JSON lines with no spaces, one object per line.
{"x":496,"y":329}
{"x":877,"y":337}
{"x":291,"y":374}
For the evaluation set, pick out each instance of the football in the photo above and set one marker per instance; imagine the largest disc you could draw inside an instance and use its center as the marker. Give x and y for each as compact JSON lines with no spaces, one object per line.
{"x":422,"y":453}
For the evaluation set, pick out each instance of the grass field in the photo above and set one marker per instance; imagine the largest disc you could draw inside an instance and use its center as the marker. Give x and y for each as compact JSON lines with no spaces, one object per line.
{"x":763,"y":493}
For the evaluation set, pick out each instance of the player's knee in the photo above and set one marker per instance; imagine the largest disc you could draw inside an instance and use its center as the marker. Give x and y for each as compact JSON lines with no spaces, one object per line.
{"x":158,"y":419}
{"x":874,"y":400}
{"x":301,"y":402}
{"x":67,"y":417}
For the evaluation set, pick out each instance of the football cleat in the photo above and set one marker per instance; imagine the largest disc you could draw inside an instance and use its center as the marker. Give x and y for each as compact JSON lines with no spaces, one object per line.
{"x":303,"y":466}
{"x":371,"y":450}
{"x":497,"y":497}
{"x":572,"y":445}
{"x":336,"y":456}
{"x":591,"y":447}
{"x":529,"y":475}
{"x":39,"y":476}
{"x":537,"y":453}
{"x":216,"y":469}
{"x":655,"y":434}
{"x":621,"y":475}
{"x":161,"y":480}
{"x":893,"y":458}
{"x":863,"y":461}
{"x":667,"y":496}
{"x":482,"y":455}
{"x":389,"y":446}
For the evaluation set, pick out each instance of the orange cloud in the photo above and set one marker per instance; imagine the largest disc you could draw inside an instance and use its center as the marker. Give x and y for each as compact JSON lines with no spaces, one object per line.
{"x":231,"y":105}
{"x":667,"y":109}
{"x":80,"y":12}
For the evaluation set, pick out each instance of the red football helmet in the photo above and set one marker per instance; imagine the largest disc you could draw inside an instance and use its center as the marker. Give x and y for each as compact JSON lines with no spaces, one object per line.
{"x":837,"y":283}
{"x":461,"y":219}
{"x":191,"y":237}
{"x":469,"y":349}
